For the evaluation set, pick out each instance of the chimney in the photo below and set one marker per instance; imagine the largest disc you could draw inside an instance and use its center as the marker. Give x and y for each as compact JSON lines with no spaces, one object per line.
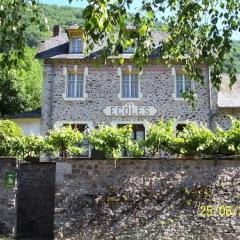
{"x":56,"y":30}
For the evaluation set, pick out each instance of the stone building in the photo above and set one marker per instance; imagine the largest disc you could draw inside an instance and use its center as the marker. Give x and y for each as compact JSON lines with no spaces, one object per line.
{"x":85,"y":91}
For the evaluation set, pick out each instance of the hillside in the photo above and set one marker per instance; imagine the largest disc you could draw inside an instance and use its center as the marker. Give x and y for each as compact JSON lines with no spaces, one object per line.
{"x":61,"y":15}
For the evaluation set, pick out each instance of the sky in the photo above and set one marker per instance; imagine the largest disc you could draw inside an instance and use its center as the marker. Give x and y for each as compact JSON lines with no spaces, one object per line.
{"x":83,"y":3}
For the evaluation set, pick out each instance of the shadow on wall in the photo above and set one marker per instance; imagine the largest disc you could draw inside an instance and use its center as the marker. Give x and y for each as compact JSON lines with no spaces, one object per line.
{"x":147,"y":199}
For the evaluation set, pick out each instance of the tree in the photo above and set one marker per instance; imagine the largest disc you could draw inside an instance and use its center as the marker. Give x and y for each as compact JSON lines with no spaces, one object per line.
{"x":13,"y":24}
{"x":20,"y":88}
{"x":199,"y":32}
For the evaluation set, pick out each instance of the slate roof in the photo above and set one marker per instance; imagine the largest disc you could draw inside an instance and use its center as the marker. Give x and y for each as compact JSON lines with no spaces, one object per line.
{"x":229,"y":98}
{"x":58,"y":47}
{"x":30,"y":114}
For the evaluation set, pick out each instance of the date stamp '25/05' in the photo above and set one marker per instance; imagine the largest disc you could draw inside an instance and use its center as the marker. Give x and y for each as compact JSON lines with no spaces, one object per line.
{"x":219,"y":210}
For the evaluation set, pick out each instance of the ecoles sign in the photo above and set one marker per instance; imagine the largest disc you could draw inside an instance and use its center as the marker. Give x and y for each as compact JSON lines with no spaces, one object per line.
{"x":130,"y":109}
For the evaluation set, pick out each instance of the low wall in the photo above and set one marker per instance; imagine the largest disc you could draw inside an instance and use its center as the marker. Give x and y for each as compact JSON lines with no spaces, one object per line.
{"x":7,"y":196}
{"x":132,"y":199}
{"x":148,"y":199}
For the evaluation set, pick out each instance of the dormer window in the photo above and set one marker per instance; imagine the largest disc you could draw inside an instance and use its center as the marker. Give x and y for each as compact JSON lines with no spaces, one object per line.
{"x":76,"y":45}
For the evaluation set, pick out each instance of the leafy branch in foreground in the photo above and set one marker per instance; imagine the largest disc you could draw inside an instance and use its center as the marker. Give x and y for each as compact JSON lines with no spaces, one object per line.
{"x":13,"y":25}
{"x":199,"y":33}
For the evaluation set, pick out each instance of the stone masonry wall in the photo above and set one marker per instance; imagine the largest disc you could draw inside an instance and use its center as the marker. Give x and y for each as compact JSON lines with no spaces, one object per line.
{"x":157,"y":86}
{"x":7,"y":196}
{"x":148,"y":199}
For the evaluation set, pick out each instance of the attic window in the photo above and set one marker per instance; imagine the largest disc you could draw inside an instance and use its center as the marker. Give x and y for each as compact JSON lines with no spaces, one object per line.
{"x":76,"y":45}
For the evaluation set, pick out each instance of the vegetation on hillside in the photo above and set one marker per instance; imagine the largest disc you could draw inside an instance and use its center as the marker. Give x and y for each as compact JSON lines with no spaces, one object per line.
{"x":235,"y":53}
{"x":55,"y":15}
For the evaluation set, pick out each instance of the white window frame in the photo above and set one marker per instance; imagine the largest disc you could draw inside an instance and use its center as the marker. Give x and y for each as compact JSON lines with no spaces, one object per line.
{"x":65,"y":74}
{"x":75,"y":50}
{"x":120,"y":74}
{"x":90,"y":125}
{"x":174,"y":74}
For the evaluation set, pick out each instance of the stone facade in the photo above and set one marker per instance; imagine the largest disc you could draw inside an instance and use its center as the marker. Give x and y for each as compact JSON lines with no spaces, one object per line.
{"x":157,"y":86}
{"x":102,"y":88}
{"x":148,"y":199}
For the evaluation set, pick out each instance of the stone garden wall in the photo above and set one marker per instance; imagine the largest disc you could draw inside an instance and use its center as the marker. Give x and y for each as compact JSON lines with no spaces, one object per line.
{"x":130,"y":199}
{"x":7,"y":196}
{"x":148,"y":199}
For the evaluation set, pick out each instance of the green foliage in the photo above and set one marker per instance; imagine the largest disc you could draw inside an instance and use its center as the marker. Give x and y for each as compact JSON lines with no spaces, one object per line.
{"x":65,"y":141}
{"x":195,"y":140}
{"x":20,"y":89}
{"x":28,"y":148}
{"x":55,"y":15}
{"x":159,"y":137}
{"x":8,"y":132}
{"x":228,"y":142}
{"x":12,"y":30}
{"x":190,"y":41}
{"x":235,"y":54}
{"x":112,"y":140}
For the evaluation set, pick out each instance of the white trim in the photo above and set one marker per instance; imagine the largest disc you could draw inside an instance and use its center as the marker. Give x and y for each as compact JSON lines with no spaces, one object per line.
{"x":140,"y":95}
{"x":90,"y":125}
{"x":75,"y":67}
{"x":85,"y":74}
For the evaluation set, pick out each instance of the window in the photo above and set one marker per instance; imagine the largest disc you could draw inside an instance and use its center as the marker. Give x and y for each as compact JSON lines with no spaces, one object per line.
{"x":76,"y":45}
{"x":183,"y":84}
{"x":75,"y":86}
{"x":130,"y":86}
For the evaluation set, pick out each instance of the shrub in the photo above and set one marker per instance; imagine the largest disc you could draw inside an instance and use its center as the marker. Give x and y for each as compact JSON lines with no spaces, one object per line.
{"x":228,"y":142}
{"x":8,"y":132}
{"x":64,"y":140}
{"x":160,"y":137}
{"x":112,"y":140}
{"x":195,"y":140}
{"x":28,"y":148}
